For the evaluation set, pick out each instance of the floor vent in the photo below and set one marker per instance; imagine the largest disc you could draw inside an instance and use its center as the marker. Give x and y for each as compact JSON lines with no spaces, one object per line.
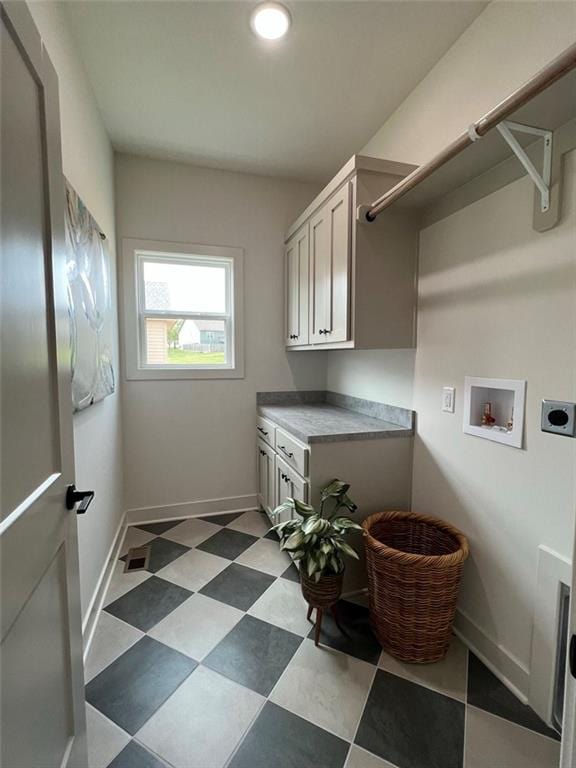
{"x":137,"y":559}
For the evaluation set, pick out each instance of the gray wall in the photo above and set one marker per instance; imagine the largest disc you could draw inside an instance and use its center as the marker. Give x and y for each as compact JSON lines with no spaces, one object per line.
{"x":88,"y":164}
{"x":495,"y":299}
{"x":193,"y":440}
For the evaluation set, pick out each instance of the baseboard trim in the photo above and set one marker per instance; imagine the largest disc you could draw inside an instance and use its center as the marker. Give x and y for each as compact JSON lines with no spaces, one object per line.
{"x":507,"y":668}
{"x":191,"y":509}
{"x":95,"y":606}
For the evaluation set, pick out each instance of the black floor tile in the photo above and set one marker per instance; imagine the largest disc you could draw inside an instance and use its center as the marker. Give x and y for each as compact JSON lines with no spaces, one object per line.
{"x":254,"y":654}
{"x":292,"y":573}
{"x":486,"y":692}
{"x":412,"y":726}
{"x":227,"y":543}
{"x":132,"y":688}
{"x":271,"y":535}
{"x":163,"y":552}
{"x":279,"y":739}
{"x":148,"y":603}
{"x":135,"y":756}
{"x":159,"y":528}
{"x":222,"y":519}
{"x":357,"y":639}
{"x":238,"y":586}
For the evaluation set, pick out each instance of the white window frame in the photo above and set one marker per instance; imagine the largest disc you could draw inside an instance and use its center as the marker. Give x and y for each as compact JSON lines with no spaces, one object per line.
{"x":134,"y":253}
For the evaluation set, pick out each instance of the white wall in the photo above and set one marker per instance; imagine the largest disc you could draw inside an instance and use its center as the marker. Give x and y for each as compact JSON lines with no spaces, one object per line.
{"x":498,"y":299}
{"x":193,"y":440}
{"x":88,"y":165}
{"x":501,"y":49}
{"x":494,"y":300}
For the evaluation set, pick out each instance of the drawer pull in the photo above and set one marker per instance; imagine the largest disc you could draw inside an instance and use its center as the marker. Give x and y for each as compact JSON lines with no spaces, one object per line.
{"x":285,"y":452}
{"x":260,"y":429}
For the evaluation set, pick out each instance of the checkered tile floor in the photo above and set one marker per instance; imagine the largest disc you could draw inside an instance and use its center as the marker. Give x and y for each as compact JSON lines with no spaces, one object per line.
{"x":205,"y":661}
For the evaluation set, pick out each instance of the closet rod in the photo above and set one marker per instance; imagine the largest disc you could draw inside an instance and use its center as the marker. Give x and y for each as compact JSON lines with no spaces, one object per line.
{"x":553,"y":71}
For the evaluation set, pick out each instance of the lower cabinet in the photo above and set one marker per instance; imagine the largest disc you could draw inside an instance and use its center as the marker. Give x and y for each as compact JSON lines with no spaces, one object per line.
{"x":379,"y":473}
{"x":266,"y":477}
{"x":289,"y":485}
{"x":277,"y":480}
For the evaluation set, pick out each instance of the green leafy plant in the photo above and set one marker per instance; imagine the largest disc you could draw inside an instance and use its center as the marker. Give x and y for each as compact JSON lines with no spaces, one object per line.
{"x":316,"y":539}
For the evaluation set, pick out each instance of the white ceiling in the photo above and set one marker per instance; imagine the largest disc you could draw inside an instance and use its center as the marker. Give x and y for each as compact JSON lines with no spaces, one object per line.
{"x":190,"y":81}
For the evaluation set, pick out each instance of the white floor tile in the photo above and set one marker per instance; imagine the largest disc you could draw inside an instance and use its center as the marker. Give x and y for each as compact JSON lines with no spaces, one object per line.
{"x":196,"y":626}
{"x":360,"y":758}
{"x":191,"y":532}
{"x":202,"y":722}
{"x":105,"y":739}
{"x":326,"y":687}
{"x":447,"y":676}
{"x":121,"y":582}
{"x":265,"y":555}
{"x":194,"y":569}
{"x":111,"y":638}
{"x":283,"y":605}
{"x":492,"y":742}
{"x":135,"y":538}
{"x":251,"y":522}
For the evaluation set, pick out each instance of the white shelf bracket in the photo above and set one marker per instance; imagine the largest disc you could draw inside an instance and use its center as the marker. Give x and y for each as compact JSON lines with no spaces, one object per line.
{"x":542,"y":181}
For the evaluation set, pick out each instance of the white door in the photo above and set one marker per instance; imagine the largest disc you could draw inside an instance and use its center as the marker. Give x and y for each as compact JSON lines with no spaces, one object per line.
{"x":42,"y":691}
{"x":568,"y":752}
{"x":297,"y":280}
{"x":330,"y":270}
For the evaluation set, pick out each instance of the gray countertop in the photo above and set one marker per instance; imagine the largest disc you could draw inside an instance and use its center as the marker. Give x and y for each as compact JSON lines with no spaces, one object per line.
{"x":323,"y":423}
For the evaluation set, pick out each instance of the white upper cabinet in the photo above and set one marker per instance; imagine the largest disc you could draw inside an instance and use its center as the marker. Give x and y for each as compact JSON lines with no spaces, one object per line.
{"x":351,"y":284}
{"x":297,"y":283}
{"x":330,"y":270}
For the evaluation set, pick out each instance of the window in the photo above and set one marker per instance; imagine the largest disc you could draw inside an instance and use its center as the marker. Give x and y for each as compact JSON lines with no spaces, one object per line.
{"x":183,"y":318}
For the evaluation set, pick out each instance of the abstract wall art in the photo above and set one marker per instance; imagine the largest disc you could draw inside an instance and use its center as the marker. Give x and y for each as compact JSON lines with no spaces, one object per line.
{"x":90,"y":305}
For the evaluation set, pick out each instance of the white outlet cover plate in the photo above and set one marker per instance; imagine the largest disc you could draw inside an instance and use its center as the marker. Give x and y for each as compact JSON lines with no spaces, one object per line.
{"x":448,"y":398}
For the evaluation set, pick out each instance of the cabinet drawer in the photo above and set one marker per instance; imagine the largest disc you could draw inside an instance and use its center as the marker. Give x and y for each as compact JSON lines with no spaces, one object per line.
{"x":293,"y":452}
{"x":265,"y":430}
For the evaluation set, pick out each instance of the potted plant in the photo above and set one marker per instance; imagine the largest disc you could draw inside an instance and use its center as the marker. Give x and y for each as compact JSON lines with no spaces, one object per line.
{"x":316,"y":540}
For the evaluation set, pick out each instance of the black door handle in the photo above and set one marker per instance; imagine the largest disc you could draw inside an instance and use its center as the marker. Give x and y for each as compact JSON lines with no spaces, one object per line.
{"x":572,"y":656}
{"x":82,"y":498}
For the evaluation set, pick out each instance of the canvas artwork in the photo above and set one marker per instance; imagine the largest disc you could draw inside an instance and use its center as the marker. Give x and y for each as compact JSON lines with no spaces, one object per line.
{"x":89,"y":297}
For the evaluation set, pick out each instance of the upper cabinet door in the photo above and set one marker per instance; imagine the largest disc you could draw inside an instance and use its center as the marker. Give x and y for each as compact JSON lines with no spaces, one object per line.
{"x":330,"y":270}
{"x":297,"y":280}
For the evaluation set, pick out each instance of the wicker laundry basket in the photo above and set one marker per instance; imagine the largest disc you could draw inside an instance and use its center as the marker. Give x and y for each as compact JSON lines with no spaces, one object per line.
{"x":414,"y":567}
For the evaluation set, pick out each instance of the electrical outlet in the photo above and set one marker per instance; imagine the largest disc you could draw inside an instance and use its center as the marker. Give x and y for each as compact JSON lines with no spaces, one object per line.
{"x":448,"y":397}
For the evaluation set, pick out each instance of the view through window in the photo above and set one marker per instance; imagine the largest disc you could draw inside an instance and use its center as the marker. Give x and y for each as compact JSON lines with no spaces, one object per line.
{"x":185,"y":312}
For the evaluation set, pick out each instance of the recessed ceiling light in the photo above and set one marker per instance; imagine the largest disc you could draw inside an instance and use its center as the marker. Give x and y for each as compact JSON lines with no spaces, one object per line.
{"x":270,"y":21}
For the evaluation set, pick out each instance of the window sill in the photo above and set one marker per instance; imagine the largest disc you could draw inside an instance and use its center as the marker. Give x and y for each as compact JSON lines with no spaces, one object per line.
{"x":165,"y":374}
